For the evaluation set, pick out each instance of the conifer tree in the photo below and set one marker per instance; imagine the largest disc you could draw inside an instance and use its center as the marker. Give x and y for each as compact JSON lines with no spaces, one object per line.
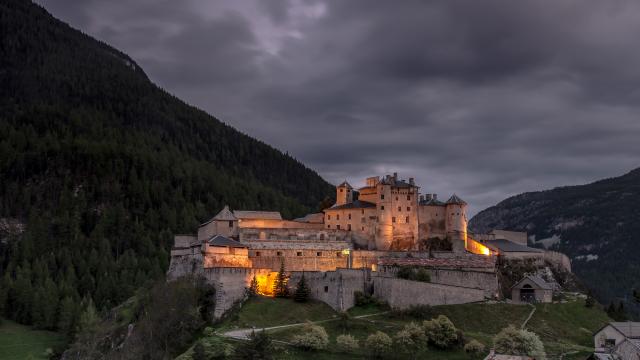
{"x":636,"y":295}
{"x":302,"y":291}
{"x":280,"y":288}
{"x":253,"y":287}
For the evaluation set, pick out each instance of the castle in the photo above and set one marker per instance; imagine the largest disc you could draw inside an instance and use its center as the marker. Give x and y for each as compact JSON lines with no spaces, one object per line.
{"x":358,"y":244}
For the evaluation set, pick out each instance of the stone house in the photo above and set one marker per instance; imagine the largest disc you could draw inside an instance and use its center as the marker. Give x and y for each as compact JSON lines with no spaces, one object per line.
{"x":532,"y":289}
{"x":617,"y":340}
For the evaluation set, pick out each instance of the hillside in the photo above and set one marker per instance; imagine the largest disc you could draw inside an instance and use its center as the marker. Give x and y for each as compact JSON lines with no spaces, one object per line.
{"x":99,"y":167}
{"x":596,"y":225}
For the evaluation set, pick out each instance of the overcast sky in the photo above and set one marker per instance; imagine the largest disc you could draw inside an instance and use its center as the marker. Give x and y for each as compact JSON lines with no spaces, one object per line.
{"x":486,"y":99}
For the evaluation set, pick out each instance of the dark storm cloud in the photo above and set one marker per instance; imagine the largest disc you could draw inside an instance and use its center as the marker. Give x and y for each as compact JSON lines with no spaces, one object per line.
{"x":486,"y":99}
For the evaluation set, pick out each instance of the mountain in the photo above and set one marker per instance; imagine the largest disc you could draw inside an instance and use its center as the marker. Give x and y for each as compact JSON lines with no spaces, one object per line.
{"x":597,"y":225}
{"x":99,"y":167}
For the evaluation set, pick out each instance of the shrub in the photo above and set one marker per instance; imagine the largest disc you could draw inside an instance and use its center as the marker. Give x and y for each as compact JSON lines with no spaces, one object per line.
{"x":440,"y":332}
{"x":378,"y":344}
{"x":259,"y":347}
{"x":208,"y":331}
{"x":413,"y":273}
{"x":347,"y":343}
{"x":361,"y":299}
{"x":302,"y":291}
{"x":411,"y":336}
{"x":474,"y":348}
{"x":420,"y":312}
{"x":313,"y":337}
{"x":512,"y":341}
{"x":344,"y":320}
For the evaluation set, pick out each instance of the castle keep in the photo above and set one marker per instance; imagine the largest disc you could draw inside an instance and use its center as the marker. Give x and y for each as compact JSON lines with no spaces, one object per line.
{"x":358,"y":244}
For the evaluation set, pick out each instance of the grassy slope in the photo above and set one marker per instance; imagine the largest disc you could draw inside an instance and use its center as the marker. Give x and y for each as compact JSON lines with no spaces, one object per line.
{"x":19,"y":342}
{"x":562,"y":327}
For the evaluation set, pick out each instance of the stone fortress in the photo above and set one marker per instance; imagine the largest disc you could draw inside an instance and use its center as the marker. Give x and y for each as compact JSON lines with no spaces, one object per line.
{"x":358,"y":244}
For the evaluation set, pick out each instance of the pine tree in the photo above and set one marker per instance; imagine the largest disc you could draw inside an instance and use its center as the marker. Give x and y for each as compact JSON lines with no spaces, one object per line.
{"x":280,"y":288}
{"x":89,"y":316}
{"x":636,"y":295}
{"x":302,"y":291}
{"x":253,"y":287}
{"x":67,"y":316}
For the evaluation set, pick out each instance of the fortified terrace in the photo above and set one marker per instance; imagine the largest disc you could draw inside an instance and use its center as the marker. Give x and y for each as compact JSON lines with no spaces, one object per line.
{"x":358,"y":244}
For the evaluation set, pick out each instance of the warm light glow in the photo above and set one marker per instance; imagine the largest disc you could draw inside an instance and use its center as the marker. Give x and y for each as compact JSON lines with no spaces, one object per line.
{"x":477,"y":248}
{"x":346,"y":252}
{"x":265,"y":283}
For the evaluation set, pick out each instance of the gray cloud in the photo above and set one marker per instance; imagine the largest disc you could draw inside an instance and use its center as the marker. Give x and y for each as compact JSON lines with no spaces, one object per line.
{"x":485,"y":99}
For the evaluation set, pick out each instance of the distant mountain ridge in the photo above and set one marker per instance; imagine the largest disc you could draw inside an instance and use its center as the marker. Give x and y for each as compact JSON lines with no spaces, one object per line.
{"x":99,"y":167}
{"x":597,"y":225}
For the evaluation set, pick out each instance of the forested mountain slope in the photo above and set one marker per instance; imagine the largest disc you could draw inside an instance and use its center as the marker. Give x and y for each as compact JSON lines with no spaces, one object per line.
{"x":99,"y":167}
{"x":597,"y":225}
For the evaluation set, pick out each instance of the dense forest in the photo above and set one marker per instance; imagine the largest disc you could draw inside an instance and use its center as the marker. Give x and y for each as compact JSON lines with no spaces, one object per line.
{"x":99,"y":168}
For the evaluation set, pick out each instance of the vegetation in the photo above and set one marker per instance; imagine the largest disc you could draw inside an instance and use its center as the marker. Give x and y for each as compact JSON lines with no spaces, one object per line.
{"x":378,"y":344}
{"x":440,"y":332}
{"x":312,"y":337}
{"x":22,"y":342}
{"x":512,"y":341}
{"x":259,"y":347}
{"x":253,"y":287}
{"x":413,"y":273}
{"x":302,"y":292}
{"x":347,"y":343}
{"x":474,"y":348}
{"x":280,"y":287}
{"x":99,"y":167}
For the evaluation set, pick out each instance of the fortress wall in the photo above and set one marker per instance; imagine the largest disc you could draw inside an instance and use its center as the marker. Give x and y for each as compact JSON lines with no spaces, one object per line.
{"x":474,"y":279}
{"x":402,"y":294}
{"x":335,"y":288}
{"x":307,"y":234}
{"x":277,"y":224}
{"x":231,"y":285}
{"x":185,"y":262}
{"x":327,"y":261}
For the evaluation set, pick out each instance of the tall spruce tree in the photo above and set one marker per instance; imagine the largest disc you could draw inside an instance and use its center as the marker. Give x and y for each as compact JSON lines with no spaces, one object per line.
{"x":280,"y":288}
{"x":253,"y":287}
{"x":302,"y":290}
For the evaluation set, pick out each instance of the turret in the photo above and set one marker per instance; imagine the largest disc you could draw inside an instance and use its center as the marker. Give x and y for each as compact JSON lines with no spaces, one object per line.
{"x":457,"y":222}
{"x":344,"y":193}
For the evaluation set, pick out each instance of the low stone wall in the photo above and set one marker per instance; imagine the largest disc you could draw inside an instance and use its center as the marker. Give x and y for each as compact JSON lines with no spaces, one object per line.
{"x":402,"y":294}
{"x":558,"y":259}
{"x":335,"y":288}
{"x":187,"y":261}
{"x":231,"y":285}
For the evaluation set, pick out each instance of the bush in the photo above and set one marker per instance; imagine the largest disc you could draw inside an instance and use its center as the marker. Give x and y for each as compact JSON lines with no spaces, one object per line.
{"x":259,"y":347}
{"x":512,"y":341}
{"x":440,"y":332}
{"x":347,"y":343}
{"x":413,"y":273}
{"x":313,"y":337}
{"x":378,"y":344}
{"x":420,"y":312}
{"x":474,"y":348}
{"x":410,"y":337}
{"x":361,"y":299}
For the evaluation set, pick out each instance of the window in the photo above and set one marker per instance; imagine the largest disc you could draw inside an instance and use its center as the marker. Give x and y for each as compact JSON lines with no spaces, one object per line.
{"x":279,"y":253}
{"x":321,"y":236}
{"x":338,"y":254}
{"x":381,"y":207}
{"x":393,"y":219}
{"x":257,"y":253}
{"x":399,"y":208}
{"x":328,"y":217}
{"x":338,"y":217}
{"x":341,"y":189}
{"x":409,"y":197}
{"x":382,"y":197}
{"x":408,"y":208}
{"x":326,"y":289}
{"x":349,"y":216}
{"x":396,"y":198}
{"x":406,"y":220}
{"x":319,"y":253}
{"x":362,"y":219}
{"x":299,"y":253}
{"x":349,"y":227}
{"x":328,"y":226}
{"x":609,"y":343}
{"x":362,"y":211}
{"x":338,"y":227}
{"x":363,"y":228}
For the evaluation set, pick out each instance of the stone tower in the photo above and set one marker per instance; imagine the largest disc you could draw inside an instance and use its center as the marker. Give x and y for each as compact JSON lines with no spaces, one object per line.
{"x":456,"y":213}
{"x":344,"y":193}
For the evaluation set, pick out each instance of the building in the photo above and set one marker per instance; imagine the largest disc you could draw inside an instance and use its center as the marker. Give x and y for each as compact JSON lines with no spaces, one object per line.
{"x":617,"y":340}
{"x":532,"y":289}
{"x":358,"y":244}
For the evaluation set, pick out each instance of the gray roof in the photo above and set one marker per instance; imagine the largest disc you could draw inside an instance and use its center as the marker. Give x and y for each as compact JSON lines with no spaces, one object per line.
{"x":260,"y":215}
{"x":454,"y":199}
{"x":537,"y":280}
{"x":504,"y":245}
{"x":224,"y":215}
{"x":358,"y":204}
{"x":432,"y":202}
{"x":345,"y":184}
{"x":219,"y":240}
{"x":315,"y":218}
{"x":627,"y":328}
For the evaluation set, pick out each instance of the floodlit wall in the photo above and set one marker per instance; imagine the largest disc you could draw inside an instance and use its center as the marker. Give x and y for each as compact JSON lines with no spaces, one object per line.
{"x":335,"y":288}
{"x":402,"y":294}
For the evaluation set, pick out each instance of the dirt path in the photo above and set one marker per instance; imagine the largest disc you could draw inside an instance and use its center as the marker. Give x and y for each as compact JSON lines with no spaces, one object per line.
{"x":243,"y":334}
{"x":533,"y":310}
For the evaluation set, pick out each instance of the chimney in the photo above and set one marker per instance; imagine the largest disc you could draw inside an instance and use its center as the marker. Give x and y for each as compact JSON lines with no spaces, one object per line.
{"x":428,"y":197}
{"x":411,"y":182}
{"x":421,"y":198}
{"x":395,"y":176}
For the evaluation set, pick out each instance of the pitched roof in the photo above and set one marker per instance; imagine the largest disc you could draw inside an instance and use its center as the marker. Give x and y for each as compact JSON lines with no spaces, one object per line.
{"x":537,"y":280}
{"x":315,"y":218}
{"x":260,"y":215}
{"x":224,"y":215}
{"x":219,"y":240}
{"x":504,"y":245}
{"x":358,"y":204}
{"x":432,"y":202}
{"x":454,"y":199}
{"x":345,"y":184}
{"x":629,"y":329}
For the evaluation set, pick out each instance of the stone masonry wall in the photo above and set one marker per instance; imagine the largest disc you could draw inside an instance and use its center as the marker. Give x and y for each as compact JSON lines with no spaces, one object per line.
{"x":402,"y":294}
{"x":335,"y":288}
